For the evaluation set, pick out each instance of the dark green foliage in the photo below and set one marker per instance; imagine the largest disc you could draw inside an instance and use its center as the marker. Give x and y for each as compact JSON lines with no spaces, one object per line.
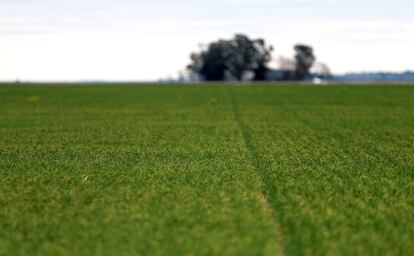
{"x":235,"y":58}
{"x":211,"y":64}
{"x":304,"y":58}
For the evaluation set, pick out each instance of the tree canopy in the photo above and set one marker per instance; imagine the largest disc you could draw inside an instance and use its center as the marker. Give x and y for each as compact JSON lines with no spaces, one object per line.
{"x":232,"y":59}
{"x":304,"y":60}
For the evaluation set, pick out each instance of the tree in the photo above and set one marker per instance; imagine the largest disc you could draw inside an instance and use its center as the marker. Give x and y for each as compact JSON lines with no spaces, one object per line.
{"x":263,"y":57}
{"x":321,"y":70}
{"x":304,"y":60}
{"x":232,"y":59}
{"x":210,"y":63}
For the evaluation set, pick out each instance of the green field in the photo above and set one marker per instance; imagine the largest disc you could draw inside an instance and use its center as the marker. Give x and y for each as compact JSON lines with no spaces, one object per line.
{"x":206,"y":170}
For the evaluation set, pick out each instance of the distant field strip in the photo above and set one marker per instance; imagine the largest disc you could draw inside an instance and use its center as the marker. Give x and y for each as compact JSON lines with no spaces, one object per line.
{"x":206,"y":170}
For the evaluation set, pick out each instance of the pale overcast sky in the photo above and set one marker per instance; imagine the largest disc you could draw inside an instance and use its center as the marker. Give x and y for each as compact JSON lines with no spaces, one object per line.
{"x":147,"y":40}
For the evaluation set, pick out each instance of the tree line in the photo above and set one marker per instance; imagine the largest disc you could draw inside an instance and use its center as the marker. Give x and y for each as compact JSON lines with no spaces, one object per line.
{"x":242,"y":58}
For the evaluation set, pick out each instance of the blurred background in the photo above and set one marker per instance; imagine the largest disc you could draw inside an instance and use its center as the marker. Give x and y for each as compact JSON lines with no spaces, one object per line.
{"x":91,"y":40}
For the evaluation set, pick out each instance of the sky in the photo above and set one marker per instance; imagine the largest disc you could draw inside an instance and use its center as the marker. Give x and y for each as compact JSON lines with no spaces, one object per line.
{"x":125,"y":40}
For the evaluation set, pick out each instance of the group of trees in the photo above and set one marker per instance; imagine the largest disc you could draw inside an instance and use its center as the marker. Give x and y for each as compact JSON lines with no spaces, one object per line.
{"x":243,"y":58}
{"x":236,"y":58}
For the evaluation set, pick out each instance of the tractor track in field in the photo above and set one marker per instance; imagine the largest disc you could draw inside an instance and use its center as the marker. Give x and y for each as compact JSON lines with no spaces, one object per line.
{"x":259,"y":168}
